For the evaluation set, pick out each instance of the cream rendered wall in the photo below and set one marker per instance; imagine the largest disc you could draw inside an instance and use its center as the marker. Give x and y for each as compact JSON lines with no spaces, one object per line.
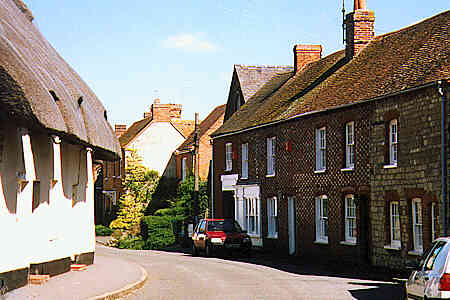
{"x":14,"y":248}
{"x":155,"y":144}
{"x":60,"y":226}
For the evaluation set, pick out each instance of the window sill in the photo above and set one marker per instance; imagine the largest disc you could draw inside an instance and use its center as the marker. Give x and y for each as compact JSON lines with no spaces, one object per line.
{"x":347,"y":169}
{"x":415,"y":252}
{"x":389,"y":166}
{"x":228,"y":170}
{"x":321,"y":242}
{"x":348,"y":243}
{"x":320,"y":171}
{"x":270,"y":175}
{"x":390,"y":247}
{"x":272,"y":236}
{"x":244,"y":178}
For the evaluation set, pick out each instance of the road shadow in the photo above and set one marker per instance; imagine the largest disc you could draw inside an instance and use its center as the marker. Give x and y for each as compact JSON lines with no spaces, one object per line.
{"x":380,"y":283}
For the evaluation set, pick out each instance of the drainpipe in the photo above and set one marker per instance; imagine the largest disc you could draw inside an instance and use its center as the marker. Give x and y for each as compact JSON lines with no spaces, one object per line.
{"x":444,"y":154}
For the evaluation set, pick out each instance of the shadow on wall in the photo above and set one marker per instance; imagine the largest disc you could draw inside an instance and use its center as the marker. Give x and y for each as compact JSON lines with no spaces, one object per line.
{"x":74,"y":172}
{"x":41,"y":145}
{"x":11,"y":165}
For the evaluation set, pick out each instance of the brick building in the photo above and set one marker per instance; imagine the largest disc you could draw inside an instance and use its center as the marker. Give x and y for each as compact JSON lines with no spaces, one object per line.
{"x":184,"y":153}
{"x":326,"y":160}
{"x":246,"y":81}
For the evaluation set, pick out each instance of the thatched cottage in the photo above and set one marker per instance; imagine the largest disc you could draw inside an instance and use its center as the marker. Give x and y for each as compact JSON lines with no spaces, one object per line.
{"x":52,"y":126}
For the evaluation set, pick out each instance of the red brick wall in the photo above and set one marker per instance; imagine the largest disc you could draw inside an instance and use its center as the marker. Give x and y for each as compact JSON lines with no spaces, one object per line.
{"x":360,"y":31}
{"x":295,"y":175}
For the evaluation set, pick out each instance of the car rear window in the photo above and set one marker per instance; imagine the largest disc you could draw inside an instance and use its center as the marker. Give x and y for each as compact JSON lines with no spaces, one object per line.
{"x":223,"y":225}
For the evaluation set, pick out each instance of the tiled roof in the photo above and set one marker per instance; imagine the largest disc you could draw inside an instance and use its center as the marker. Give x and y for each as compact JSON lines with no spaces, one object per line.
{"x":204,"y":127}
{"x":184,"y":127}
{"x":30,"y":68}
{"x":252,"y":78}
{"x":274,"y":97}
{"x":132,"y":131}
{"x":394,"y":62}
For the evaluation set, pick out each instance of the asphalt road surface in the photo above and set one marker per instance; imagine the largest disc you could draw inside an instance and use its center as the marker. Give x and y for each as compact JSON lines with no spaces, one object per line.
{"x":179,"y":276}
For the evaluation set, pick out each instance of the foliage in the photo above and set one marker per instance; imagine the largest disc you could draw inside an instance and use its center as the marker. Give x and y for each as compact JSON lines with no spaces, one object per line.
{"x":184,"y":202}
{"x":101,"y":230}
{"x":165,"y":193}
{"x":136,"y":243}
{"x":159,"y":231}
{"x":139,"y":184}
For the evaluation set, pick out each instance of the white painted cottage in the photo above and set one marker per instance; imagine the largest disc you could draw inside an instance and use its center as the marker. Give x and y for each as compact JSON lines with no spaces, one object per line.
{"x":52,"y":126}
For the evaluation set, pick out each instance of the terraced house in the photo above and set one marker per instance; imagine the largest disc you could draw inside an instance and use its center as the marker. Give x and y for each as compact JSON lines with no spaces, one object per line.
{"x":343,"y":158}
{"x":52,"y":127}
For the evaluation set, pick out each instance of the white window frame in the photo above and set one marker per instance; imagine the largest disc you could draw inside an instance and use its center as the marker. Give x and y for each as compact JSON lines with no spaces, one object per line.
{"x":433,"y":221}
{"x":271,"y":151}
{"x":321,"y":149}
{"x":252,"y":220}
{"x":322,"y":219}
{"x":393,"y":142}
{"x":228,"y":156}
{"x":417,"y":224}
{"x":183,"y":168}
{"x":350,"y":145}
{"x":350,"y":219}
{"x":394,"y":214}
{"x":272,"y":215}
{"x":244,"y":151}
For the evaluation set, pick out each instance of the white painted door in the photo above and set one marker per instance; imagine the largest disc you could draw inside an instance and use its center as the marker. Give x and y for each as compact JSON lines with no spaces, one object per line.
{"x":291,"y":222}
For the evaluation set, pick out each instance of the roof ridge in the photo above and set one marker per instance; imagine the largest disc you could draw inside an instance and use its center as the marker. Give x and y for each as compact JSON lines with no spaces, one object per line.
{"x":412,"y":25}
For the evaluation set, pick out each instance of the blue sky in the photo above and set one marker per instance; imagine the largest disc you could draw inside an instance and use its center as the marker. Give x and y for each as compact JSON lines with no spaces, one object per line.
{"x":130,"y":52}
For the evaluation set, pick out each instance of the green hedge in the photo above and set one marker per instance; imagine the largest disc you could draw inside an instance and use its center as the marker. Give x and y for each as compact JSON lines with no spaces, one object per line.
{"x":101,"y":230}
{"x":160,"y":231}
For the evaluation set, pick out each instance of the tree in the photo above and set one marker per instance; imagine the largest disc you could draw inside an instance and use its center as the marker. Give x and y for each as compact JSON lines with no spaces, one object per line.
{"x":139,"y":184}
{"x":183,"y":204}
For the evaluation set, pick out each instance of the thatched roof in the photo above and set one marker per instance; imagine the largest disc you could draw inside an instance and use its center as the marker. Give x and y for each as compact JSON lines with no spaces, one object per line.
{"x":38,"y":88}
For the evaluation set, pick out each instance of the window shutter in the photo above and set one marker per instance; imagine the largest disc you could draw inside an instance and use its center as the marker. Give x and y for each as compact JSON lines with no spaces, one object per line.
{"x":317,"y":218}
{"x":317,"y":148}
{"x":387,"y":223}
{"x":386,"y":143}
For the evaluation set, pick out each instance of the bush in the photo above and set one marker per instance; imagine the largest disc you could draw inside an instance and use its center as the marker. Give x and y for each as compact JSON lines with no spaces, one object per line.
{"x":101,"y":230}
{"x":159,"y":231}
{"x":131,"y":243}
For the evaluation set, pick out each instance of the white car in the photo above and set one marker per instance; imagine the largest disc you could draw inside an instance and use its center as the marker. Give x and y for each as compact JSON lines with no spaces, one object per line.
{"x":431,"y":278}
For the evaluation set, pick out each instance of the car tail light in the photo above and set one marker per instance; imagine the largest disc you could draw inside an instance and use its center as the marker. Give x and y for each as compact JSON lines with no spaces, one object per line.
{"x":444,"y":283}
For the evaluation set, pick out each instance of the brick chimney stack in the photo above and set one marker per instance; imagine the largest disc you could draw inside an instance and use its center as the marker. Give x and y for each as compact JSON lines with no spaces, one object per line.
{"x":119,"y":129}
{"x":163,"y":112}
{"x":305,"y":54}
{"x":359,"y":28}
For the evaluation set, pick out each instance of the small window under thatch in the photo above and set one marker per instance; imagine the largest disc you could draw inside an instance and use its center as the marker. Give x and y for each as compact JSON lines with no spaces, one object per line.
{"x":55,"y":97}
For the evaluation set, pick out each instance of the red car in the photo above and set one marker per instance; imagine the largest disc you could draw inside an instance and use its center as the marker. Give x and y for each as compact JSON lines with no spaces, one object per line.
{"x":225,"y":234}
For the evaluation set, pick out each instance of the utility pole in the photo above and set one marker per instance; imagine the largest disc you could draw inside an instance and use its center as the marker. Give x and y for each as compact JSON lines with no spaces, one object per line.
{"x":196,"y":169}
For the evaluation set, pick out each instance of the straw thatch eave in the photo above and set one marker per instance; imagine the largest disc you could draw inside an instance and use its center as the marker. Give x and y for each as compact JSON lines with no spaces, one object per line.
{"x":40,"y":88}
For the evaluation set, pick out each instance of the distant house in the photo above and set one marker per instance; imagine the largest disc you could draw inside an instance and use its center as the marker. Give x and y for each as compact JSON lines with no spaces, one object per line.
{"x":108,"y":185}
{"x":343,"y":157}
{"x":157,"y":135}
{"x":52,"y":127}
{"x":246,"y":81}
{"x":184,"y":154}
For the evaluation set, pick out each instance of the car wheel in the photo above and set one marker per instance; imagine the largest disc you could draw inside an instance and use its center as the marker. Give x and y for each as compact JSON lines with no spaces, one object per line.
{"x":194,"y":250}
{"x":208,"y":250}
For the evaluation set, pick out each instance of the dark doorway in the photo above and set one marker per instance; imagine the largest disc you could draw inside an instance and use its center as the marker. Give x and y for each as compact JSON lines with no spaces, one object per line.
{"x":228,"y":204}
{"x":364,"y":228}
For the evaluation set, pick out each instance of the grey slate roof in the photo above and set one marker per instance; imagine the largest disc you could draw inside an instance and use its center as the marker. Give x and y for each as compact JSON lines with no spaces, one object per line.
{"x":252,"y":78}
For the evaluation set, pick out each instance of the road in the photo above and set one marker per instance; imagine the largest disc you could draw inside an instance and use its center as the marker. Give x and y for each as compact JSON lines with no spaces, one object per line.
{"x":177,"y":275}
